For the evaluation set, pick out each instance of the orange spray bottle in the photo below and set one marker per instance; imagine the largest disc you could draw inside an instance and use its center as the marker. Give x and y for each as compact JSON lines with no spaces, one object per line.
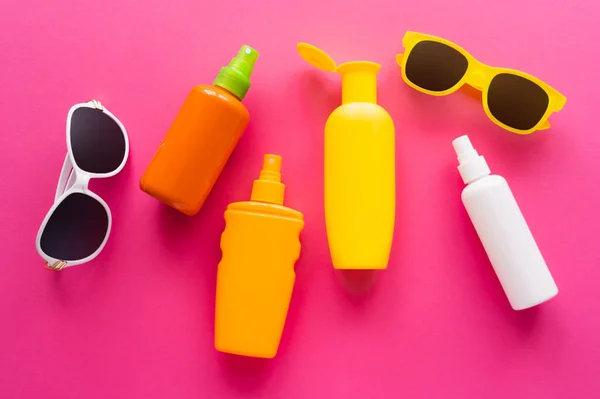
{"x":256,"y":274}
{"x":201,"y":138}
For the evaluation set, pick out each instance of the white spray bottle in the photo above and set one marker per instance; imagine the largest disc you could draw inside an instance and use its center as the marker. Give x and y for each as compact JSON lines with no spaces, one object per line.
{"x":503,"y":231}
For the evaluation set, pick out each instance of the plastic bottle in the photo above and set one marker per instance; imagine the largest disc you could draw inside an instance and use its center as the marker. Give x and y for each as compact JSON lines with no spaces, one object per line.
{"x":359,"y":167}
{"x":256,"y":274}
{"x":503,"y":231}
{"x":201,"y":138}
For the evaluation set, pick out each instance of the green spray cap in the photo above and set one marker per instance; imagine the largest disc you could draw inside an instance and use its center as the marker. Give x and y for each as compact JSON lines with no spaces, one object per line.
{"x":235,"y":77}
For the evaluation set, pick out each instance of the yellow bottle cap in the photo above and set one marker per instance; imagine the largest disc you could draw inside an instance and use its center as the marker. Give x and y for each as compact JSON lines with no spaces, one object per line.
{"x":359,"y":78}
{"x":316,"y":57}
{"x":268,"y":187}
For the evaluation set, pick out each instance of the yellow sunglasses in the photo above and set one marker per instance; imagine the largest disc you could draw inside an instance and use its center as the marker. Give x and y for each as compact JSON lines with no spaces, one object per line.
{"x":514,"y":100}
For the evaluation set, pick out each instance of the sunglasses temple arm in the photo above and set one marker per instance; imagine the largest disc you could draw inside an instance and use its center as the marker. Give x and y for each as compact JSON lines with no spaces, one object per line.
{"x":399,"y":58}
{"x":66,"y":176}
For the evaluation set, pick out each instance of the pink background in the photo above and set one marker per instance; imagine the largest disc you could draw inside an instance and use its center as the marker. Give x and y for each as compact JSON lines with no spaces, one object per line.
{"x":138,"y":321}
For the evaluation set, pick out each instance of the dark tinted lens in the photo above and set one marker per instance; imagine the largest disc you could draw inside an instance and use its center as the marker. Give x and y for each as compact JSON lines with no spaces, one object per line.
{"x":517,"y":102}
{"x":435,"y":66}
{"x":76,"y":229}
{"x":97,"y":141}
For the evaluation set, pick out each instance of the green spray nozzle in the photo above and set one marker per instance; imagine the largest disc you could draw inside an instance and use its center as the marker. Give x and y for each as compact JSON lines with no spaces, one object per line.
{"x":235,"y":77}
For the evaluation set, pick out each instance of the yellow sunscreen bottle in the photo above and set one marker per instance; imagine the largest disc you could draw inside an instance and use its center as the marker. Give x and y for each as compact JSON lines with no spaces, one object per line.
{"x":360,"y":196}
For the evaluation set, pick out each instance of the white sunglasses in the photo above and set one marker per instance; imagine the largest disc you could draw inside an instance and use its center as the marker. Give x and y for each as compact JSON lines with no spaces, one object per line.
{"x":78,"y":225}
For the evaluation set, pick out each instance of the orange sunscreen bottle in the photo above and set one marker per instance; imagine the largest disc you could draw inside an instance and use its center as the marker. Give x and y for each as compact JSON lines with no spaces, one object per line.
{"x":201,"y":139}
{"x":256,"y":274}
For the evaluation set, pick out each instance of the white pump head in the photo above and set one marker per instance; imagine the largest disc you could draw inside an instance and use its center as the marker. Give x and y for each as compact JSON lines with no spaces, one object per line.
{"x":472,"y":166}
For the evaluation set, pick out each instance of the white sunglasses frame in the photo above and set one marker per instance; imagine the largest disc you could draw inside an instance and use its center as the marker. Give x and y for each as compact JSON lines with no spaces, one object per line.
{"x":75,"y":180}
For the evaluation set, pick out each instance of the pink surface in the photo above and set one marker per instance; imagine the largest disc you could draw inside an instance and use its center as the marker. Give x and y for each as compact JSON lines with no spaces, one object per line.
{"x":138,"y":321}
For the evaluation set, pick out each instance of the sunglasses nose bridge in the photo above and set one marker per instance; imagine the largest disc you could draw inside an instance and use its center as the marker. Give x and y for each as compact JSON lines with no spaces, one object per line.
{"x":476,"y":78}
{"x":82,"y":181}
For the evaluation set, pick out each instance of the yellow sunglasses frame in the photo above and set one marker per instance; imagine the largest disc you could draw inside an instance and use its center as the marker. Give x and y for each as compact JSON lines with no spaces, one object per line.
{"x":479,"y":76}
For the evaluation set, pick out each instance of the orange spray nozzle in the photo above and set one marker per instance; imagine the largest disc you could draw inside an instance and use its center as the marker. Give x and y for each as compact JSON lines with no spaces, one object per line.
{"x":268,"y":188}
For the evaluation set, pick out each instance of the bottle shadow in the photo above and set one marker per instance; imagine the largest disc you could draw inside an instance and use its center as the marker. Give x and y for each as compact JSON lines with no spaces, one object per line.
{"x":526,"y":321}
{"x":180,"y":233}
{"x":176,"y":227}
{"x":524,"y":324}
{"x":245,"y":374}
{"x":357,"y":284}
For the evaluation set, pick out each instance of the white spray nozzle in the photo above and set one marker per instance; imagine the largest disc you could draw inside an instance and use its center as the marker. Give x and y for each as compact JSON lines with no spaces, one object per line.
{"x":464,"y":149}
{"x":472,"y":166}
